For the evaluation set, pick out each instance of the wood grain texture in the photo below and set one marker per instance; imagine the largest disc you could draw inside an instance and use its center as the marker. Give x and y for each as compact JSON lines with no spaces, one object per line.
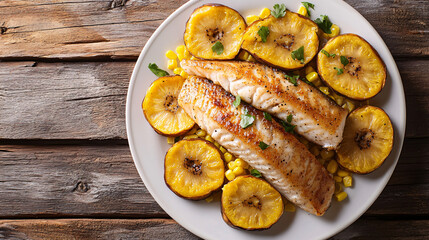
{"x":87,"y":100}
{"x":65,"y":229}
{"x":101,"y":181}
{"x":119,"y":29}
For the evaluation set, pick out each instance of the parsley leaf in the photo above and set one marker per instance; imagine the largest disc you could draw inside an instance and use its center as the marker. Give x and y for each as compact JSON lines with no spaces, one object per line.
{"x":292,"y":79}
{"x":339,"y":70}
{"x":279,"y":10}
{"x":325,"y":24}
{"x":307,"y":6}
{"x":298,"y":54}
{"x":308,"y":82}
{"x":289,"y":118}
{"x":263,"y":32}
{"x":157,"y":71}
{"x":237,"y":101}
{"x":255,"y":173}
{"x":217,"y":48}
{"x":246,"y":119}
{"x":328,"y":54}
{"x":263,"y":145}
{"x":267,"y":116}
{"x":344,"y":60}
{"x":287,"y":126}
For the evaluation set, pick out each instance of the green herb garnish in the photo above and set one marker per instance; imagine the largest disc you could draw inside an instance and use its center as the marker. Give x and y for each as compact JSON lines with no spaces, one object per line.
{"x":263,"y":32}
{"x":292,"y":79}
{"x":157,"y":71}
{"x":289,"y":118}
{"x":263,"y":145}
{"x":308,"y":82}
{"x":217,"y":48}
{"x":339,"y":70}
{"x":287,"y":126}
{"x":267,"y":116}
{"x":307,"y":6}
{"x":344,"y":60}
{"x":298,"y":54}
{"x":237,"y":101}
{"x":325,"y":24}
{"x":246,"y":119}
{"x":279,"y":10}
{"x":328,"y":54}
{"x":255,"y":173}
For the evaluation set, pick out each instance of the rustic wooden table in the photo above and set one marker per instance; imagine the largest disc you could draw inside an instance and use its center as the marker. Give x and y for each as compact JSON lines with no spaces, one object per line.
{"x":65,"y":168}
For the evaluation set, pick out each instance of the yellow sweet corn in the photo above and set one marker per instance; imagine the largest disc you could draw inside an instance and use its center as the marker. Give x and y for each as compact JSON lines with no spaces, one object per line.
{"x":265,"y":13}
{"x":251,"y":58}
{"x":240,"y":163}
{"x":338,"y":179}
{"x":349,"y":105}
{"x":327,"y":154}
{"x":335,"y":30}
{"x":201,"y":133}
{"x":342,"y":173}
{"x":170,"y":140}
{"x":243,"y":55}
{"x":209,"y":138}
{"x":238,"y":171}
{"x":171,"y":55}
{"x":303,"y":11}
{"x":172,"y":64}
{"x":338,"y":188}
{"x":231,"y":165}
{"x":324,"y":90}
{"x":308,"y":70}
{"x":190,"y":137}
{"x":216,"y":144}
{"x":228,"y":157}
{"x":186,"y":54}
{"x":193,"y":130}
{"x":251,"y":18}
{"x":177,"y":70}
{"x":347,"y":181}
{"x":332,"y":166}
{"x":341,"y":196}
{"x":229,"y":175}
{"x":222,"y":149}
{"x":193,"y":58}
{"x":289,"y":207}
{"x":183,"y":74}
{"x":180,"y":50}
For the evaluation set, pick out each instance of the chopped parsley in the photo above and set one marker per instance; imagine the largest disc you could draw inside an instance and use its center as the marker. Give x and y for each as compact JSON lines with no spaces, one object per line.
{"x":217,"y":48}
{"x":263,"y":145}
{"x":267,"y":116}
{"x":328,"y":54}
{"x":307,"y":6}
{"x":255,"y":173}
{"x":246,"y":119}
{"x":308,"y":82}
{"x":292,"y":79}
{"x":339,"y":70}
{"x":325,"y":24}
{"x":287,"y":125}
{"x":157,"y":71}
{"x":289,"y":118}
{"x":298,"y":54}
{"x":279,"y":10}
{"x":237,"y":101}
{"x":344,"y":60}
{"x":263,"y":32}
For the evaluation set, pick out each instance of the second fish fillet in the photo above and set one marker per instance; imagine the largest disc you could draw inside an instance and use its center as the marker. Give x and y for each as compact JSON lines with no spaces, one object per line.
{"x":316,"y":116}
{"x":286,"y":163}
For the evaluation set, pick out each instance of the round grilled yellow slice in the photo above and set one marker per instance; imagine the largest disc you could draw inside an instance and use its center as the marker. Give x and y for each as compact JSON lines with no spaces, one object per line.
{"x":352,"y":67}
{"x":251,"y":203}
{"x":161,"y":109}
{"x":367,"y":140}
{"x":214,"y":32}
{"x":194,"y":169}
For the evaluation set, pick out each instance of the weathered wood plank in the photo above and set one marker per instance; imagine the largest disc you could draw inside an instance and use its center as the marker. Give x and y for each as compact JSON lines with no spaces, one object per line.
{"x":119,"y":29}
{"x":87,"y":100}
{"x":65,"y":229}
{"x":88,"y":181}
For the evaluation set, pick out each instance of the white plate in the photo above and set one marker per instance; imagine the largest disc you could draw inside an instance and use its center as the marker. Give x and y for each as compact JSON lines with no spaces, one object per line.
{"x":204,"y":219}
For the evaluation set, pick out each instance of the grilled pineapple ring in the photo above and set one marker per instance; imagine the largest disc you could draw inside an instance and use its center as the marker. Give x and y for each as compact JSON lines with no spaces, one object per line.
{"x":194,"y":169}
{"x":368,"y":140}
{"x":210,"y":24}
{"x":364,"y":75}
{"x":286,"y":34}
{"x":161,"y":109}
{"x":251,"y":203}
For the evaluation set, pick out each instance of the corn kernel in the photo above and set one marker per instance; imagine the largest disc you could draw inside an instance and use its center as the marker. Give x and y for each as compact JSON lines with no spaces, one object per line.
{"x":222,"y":149}
{"x":265,"y":13}
{"x":209,"y":199}
{"x":180,"y":50}
{"x":193,"y":130}
{"x":327,"y":154}
{"x":238,"y":171}
{"x":172,"y":64}
{"x":341,"y":196}
{"x":332,"y":166}
{"x":289,"y":207}
{"x":322,"y":161}
{"x":240,"y":163}
{"x":342,"y":173}
{"x":251,"y":18}
{"x":339,"y":100}
{"x":201,"y":133}
{"x":350,"y":105}
{"x":335,"y":30}
{"x":209,"y":138}
{"x":216,"y":144}
{"x":338,"y":188}
{"x":324,"y":90}
{"x":228,"y":157}
{"x":177,"y":70}
{"x":251,"y":58}
{"x":347,"y":181}
{"x":312,"y":76}
{"x":308,"y":70}
{"x":190,"y":137}
{"x":243,"y":55}
{"x":193,"y":58}
{"x":186,"y":54}
{"x":183,"y":74}
{"x":170,"y":140}
{"x":231,"y":165}
{"x":229,"y":175}
{"x":338,"y":179}
{"x":302,"y":10}
{"x":171,"y":55}
{"x":315,"y":150}
{"x":317,"y":83}
{"x":331,"y":97}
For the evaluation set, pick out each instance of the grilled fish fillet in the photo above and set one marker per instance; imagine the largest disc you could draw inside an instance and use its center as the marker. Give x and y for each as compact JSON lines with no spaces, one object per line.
{"x":316,"y":116}
{"x":286,"y":163}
